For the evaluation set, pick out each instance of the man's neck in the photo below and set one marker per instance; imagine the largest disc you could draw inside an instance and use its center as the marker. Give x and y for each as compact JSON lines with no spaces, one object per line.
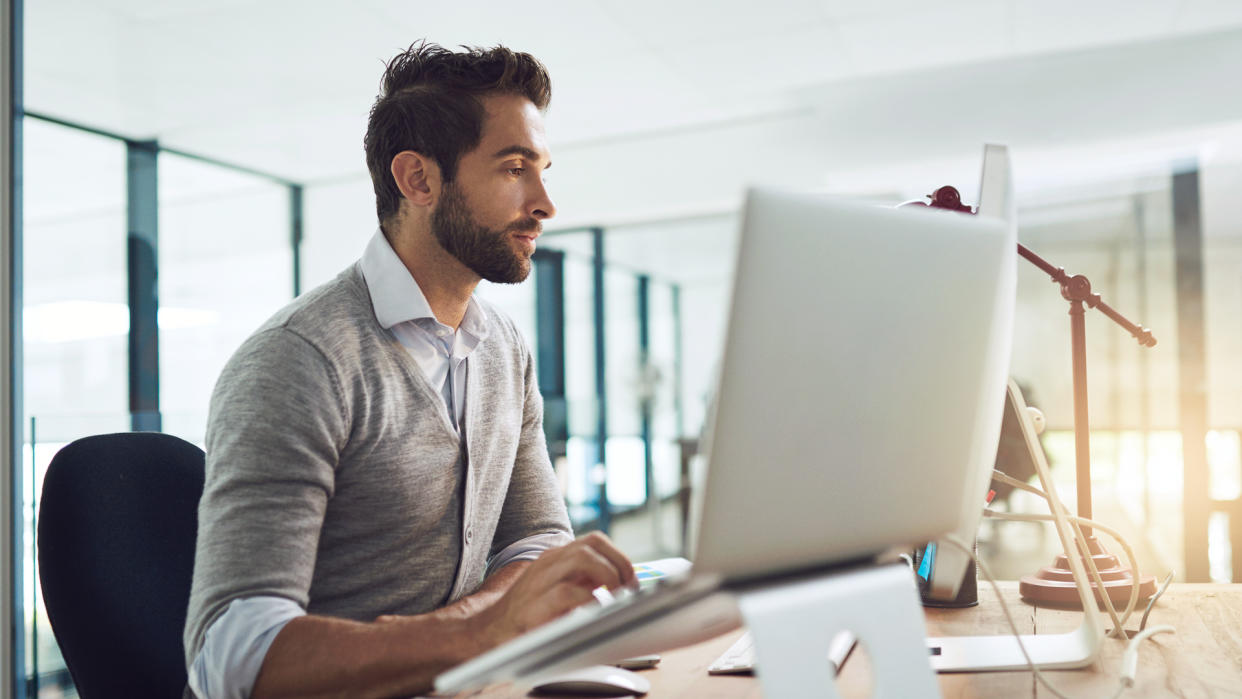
{"x":445,"y":282}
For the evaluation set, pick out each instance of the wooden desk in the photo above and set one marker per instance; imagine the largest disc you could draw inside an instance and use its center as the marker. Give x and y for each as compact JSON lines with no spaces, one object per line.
{"x":1204,"y":658}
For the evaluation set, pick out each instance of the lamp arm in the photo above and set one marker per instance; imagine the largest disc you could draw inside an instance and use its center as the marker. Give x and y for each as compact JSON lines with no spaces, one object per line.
{"x":1075,"y":288}
{"x":1078,"y":288}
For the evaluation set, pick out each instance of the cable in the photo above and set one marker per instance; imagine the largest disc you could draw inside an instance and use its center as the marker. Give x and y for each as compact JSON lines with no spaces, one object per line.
{"x":952,"y":539}
{"x":1063,"y":519}
{"x":1163,"y":586}
{"x":1129,"y":659}
{"x":1020,"y":485}
{"x":1084,"y":550}
{"x":1081,"y":539}
{"x":1077,"y":523}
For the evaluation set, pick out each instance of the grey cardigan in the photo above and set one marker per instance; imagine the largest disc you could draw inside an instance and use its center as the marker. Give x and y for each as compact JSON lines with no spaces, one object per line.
{"x":335,"y":479}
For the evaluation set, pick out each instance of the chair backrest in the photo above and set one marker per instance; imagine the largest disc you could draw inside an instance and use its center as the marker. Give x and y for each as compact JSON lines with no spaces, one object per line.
{"x":117,"y":524}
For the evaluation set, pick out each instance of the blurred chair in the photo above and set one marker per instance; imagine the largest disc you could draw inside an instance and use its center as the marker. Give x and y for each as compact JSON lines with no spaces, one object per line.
{"x":117,"y":524}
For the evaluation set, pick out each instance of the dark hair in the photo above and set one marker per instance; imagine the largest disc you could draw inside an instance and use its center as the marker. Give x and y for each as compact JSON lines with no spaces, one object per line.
{"x":429,"y":102}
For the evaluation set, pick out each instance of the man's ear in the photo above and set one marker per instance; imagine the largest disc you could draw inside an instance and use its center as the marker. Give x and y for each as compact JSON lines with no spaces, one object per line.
{"x":417,"y":176}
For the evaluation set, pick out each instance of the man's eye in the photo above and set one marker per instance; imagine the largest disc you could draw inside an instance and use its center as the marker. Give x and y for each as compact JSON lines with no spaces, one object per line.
{"x":515,"y":171}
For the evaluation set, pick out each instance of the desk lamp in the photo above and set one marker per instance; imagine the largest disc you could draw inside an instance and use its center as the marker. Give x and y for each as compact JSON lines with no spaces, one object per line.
{"x":1055,"y":584}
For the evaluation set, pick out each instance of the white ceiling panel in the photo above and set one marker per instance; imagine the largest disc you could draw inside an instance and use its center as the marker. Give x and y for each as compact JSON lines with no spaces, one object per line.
{"x":1207,"y":15}
{"x":763,"y":63}
{"x":285,"y":85}
{"x":918,"y":39}
{"x":1051,"y":25}
{"x":615,"y":108}
{"x":560,"y":31}
{"x":664,"y":23}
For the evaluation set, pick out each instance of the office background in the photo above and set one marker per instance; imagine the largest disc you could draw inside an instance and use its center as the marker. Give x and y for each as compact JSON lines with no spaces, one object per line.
{"x":184,"y":169}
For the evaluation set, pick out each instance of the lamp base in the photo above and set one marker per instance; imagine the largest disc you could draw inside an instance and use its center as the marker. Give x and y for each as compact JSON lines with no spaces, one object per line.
{"x":1055,"y":584}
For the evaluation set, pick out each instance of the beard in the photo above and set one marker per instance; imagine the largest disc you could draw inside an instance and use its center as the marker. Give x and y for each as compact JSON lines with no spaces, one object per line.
{"x":485,"y":251}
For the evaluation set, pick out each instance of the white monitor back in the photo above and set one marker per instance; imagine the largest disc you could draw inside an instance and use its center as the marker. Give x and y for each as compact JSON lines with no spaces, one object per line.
{"x":863,"y":373}
{"x":996,"y":203}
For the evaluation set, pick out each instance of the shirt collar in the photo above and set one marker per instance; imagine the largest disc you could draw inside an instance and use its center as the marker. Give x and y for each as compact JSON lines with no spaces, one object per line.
{"x":396,"y":296}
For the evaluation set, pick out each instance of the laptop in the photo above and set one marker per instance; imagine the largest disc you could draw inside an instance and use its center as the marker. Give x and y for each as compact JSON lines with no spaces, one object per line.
{"x":862,"y":378}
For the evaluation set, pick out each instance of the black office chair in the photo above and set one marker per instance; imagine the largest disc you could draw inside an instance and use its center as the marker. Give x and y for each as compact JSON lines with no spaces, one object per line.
{"x":117,"y":524}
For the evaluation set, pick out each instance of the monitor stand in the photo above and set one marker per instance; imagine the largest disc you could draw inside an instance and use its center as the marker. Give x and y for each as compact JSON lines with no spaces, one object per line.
{"x":1075,"y":649}
{"x":793,"y":622}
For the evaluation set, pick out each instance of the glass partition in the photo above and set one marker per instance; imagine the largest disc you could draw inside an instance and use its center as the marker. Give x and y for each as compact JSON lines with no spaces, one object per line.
{"x":581,"y":477}
{"x":225,"y":266}
{"x":76,"y":323}
{"x":625,"y":451}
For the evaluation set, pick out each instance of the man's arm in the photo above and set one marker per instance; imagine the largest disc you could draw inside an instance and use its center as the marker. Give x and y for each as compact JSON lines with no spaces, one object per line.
{"x":277,"y":420}
{"x":534,"y":506}
{"x":492,"y":589}
{"x":316,"y":656}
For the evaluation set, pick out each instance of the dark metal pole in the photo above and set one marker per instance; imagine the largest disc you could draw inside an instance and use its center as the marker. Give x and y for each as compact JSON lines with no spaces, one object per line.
{"x":601,"y":383}
{"x":1192,"y":374}
{"x":1082,"y":433}
{"x":295,"y":235}
{"x":142,"y":261}
{"x":12,"y":529}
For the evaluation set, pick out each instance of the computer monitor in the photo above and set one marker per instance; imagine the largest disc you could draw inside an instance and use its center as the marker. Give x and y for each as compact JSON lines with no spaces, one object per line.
{"x":947,"y":566}
{"x":864,"y":366}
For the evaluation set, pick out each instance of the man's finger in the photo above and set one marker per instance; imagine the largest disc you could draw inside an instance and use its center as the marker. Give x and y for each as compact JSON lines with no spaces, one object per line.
{"x":604,"y":545}
{"x":577,"y":564}
{"x":593,"y":569}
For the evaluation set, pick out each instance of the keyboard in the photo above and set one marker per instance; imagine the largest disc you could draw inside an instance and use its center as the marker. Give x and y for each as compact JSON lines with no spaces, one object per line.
{"x":678,"y":611}
{"x":740,"y":658}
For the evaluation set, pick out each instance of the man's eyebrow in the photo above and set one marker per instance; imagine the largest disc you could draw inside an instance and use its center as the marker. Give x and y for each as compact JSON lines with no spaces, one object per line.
{"x":523,"y":151}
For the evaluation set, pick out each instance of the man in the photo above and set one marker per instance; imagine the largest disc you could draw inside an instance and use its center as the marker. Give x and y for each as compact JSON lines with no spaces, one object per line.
{"x":378,"y":486}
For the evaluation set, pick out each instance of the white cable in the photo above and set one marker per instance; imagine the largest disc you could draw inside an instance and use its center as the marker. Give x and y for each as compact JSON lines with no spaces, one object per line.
{"x":1085,"y":552}
{"x":1020,"y":485}
{"x":1102,"y":590}
{"x":1078,"y":522}
{"x":952,"y":539}
{"x":1129,"y":660}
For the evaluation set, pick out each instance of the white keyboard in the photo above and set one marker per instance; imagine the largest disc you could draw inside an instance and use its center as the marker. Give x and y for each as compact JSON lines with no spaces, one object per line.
{"x":740,"y":658}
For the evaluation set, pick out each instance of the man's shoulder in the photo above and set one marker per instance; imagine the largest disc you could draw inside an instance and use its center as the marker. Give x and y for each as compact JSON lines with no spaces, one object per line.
{"x":339,"y":306}
{"x":334,"y":320}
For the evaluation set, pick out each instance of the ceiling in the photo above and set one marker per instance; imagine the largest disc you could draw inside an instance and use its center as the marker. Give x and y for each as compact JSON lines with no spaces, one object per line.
{"x":284,"y":86}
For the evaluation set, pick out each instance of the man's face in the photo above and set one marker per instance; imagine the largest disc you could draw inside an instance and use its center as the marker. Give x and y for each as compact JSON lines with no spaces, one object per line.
{"x":489,"y":216}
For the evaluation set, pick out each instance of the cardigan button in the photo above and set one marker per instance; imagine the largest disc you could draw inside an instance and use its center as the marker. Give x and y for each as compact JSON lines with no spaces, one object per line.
{"x":469,"y":535}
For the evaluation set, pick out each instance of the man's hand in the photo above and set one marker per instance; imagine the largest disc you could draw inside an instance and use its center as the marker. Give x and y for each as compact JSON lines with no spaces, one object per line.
{"x":401,"y":655}
{"x":559,"y":580}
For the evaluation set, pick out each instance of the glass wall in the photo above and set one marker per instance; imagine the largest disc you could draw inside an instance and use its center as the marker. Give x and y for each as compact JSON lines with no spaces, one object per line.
{"x":640,"y":389}
{"x":1119,"y":234}
{"x":75,"y":297}
{"x":661,"y":381}
{"x":624,"y":451}
{"x":579,"y":471}
{"x":76,"y":323}
{"x":225,"y":266}
{"x":1222,"y":298}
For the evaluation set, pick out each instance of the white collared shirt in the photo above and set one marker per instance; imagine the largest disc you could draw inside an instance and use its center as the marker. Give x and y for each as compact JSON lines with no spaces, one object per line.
{"x":402,"y":309}
{"x":236,"y":643}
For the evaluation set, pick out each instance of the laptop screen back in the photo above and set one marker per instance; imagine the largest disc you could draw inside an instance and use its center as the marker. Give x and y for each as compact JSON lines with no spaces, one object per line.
{"x":863,"y":352}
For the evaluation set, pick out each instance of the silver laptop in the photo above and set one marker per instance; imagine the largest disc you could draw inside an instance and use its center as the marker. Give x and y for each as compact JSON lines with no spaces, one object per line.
{"x":862,"y":379}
